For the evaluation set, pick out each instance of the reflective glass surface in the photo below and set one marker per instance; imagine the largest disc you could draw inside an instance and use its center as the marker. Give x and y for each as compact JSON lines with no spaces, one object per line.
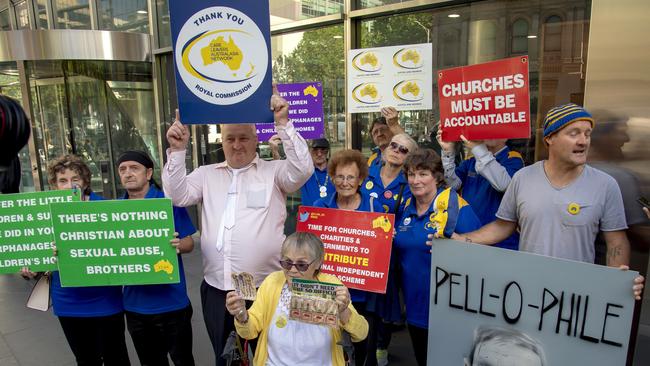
{"x":5,"y":23}
{"x":71,"y":14}
{"x":41,"y":14}
{"x":22,"y":15}
{"x":164,"y":30}
{"x":123,"y":15}
{"x":283,"y":11}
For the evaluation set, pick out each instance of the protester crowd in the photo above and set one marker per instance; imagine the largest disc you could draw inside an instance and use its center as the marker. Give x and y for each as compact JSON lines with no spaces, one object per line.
{"x":489,"y":199}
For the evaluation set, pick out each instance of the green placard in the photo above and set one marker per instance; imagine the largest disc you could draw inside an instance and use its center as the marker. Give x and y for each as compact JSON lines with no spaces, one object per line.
{"x":26,"y":229}
{"x":123,"y":242}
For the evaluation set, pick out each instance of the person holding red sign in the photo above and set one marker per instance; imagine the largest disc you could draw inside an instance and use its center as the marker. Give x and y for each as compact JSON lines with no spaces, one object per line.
{"x":282,"y":340}
{"x":561,"y":204}
{"x":483,"y":178}
{"x":433,"y":209}
{"x":382,"y":129}
{"x":348,"y":170}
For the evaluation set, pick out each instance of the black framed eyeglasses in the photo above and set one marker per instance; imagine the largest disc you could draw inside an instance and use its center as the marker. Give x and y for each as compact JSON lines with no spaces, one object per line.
{"x":301,"y":267}
{"x":401,"y":148}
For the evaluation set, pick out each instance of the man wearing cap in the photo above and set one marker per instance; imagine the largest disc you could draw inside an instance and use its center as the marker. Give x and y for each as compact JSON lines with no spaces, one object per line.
{"x":560,"y":204}
{"x":158,"y":317}
{"x":319,"y":185}
{"x":382,"y":129}
{"x":243,"y":207}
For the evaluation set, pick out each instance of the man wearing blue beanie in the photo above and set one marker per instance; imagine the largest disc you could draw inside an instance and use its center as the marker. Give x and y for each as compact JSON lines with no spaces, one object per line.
{"x":561,"y":204}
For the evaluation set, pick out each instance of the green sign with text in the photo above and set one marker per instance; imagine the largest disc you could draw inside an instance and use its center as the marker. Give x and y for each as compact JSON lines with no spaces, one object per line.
{"x":26,"y":229}
{"x":123,"y":242}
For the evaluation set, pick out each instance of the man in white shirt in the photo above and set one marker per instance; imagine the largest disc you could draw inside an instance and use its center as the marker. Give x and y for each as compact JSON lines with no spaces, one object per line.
{"x":243,"y":207}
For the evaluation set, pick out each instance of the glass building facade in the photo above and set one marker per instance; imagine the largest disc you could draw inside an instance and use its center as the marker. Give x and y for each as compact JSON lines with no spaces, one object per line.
{"x":83,"y":99}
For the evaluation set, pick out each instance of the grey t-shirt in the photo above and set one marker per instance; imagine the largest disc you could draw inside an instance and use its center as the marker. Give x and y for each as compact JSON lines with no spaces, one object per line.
{"x":562,"y":223}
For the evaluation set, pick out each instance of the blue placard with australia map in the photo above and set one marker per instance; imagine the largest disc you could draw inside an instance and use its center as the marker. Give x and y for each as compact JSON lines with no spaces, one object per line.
{"x":223,"y":60}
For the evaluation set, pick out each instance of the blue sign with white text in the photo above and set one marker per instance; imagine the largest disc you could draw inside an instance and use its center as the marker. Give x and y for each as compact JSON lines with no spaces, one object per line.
{"x":222,"y":56}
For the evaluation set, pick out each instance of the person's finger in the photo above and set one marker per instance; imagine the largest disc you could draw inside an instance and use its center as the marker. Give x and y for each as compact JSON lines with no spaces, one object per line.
{"x":623,"y":267}
{"x":178,"y":116}
{"x":465,"y":140}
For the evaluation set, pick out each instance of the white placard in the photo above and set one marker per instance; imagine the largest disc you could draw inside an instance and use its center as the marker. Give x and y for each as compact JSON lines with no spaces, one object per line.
{"x":398,"y":76}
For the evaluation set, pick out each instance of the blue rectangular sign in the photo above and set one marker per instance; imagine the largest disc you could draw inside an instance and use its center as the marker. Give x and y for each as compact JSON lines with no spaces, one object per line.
{"x":223,"y":60}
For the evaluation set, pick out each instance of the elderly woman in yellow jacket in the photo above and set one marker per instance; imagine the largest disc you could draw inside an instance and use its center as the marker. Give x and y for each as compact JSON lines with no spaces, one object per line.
{"x":283,"y":341}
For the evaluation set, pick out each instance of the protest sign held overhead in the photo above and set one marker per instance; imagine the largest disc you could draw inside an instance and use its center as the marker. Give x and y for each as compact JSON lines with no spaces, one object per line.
{"x":485,"y":101}
{"x":357,"y":244}
{"x":222,"y":58}
{"x":123,"y":242}
{"x":398,"y":76}
{"x":305,"y":111}
{"x":535,"y":310}
{"x":26,"y":229}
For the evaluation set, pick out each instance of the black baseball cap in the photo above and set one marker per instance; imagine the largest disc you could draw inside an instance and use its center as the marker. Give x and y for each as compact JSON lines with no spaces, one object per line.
{"x":320,"y":143}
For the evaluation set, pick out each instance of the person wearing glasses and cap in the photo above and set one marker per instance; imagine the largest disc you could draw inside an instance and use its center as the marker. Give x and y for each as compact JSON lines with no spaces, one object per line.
{"x":483,"y":177}
{"x":382,"y":129}
{"x":319,"y":185}
{"x":561,"y":204}
{"x":158,"y":317}
{"x":285,"y":341}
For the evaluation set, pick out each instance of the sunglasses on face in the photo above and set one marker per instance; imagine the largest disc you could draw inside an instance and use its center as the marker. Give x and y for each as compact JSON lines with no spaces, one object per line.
{"x":401,"y":148}
{"x":301,"y":267}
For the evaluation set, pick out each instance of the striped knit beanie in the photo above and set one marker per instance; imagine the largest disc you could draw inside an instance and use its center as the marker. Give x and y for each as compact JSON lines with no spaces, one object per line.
{"x":558,"y":117}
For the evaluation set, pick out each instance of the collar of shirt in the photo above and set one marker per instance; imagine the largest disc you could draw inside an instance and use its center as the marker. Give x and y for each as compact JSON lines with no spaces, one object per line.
{"x":153,"y":192}
{"x":502,"y":151}
{"x":374,"y":174}
{"x":224,"y":164}
{"x":411,"y":210}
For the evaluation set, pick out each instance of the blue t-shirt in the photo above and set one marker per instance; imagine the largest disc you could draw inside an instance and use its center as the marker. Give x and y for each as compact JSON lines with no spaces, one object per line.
{"x":415,"y":255}
{"x":311,"y":190}
{"x":366,"y":203}
{"x":85,"y":302}
{"x":387,"y":196}
{"x":156,"y":299}
{"x":480,"y":194}
{"x":375,"y":157}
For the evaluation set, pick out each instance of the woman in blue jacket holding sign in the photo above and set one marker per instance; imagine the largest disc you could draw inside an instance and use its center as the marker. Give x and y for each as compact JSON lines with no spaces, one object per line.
{"x":433,"y":209}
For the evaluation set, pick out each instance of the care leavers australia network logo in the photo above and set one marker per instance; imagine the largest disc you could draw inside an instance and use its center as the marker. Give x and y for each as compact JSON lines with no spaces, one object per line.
{"x":222,"y":55}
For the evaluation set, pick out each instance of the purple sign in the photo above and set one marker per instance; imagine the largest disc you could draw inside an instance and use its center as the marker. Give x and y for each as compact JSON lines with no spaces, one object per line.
{"x":305,"y":110}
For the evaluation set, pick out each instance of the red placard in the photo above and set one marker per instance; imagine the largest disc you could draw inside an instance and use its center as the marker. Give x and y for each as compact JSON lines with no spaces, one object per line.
{"x":485,"y":101}
{"x":357,"y":244}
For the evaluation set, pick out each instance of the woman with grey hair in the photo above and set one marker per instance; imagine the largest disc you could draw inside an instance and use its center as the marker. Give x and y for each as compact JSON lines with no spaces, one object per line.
{"x":284,"y":341}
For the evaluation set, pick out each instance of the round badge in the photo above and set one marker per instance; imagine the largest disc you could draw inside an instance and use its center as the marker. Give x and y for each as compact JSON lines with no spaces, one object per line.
{"x":573,"y":208}
{"x":407,"y":221}
{"x":323,"y":194}
{"x":281,"y":322}
{"x":369,"y":185}
{"x":388,"y":194}
{"x":323,"y":189}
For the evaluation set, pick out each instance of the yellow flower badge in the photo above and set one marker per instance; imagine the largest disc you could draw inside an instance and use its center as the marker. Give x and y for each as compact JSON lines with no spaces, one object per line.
{"x":163,"y":265}
{"x":369,"y":185}
{"x":573,"y":208}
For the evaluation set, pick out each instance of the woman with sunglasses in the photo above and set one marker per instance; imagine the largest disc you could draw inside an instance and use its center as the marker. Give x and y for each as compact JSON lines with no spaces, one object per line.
{"x":348,"y":169}
{"x":283,"y":341}
{"x":434,"y":209}
{"x":387,"y":183}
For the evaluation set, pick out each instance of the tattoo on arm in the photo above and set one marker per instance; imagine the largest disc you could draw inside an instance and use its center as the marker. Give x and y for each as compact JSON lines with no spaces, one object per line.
{"x":613,"y":253}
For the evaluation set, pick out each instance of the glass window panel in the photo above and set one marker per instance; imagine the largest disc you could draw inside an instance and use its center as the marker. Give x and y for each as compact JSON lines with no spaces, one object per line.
{"x":5,"y":22}
{"x":72,"y":14}
{"x":22,"y":15}
{"x":41,"y":14}
{"x":123,"y":15}
{"x":363,"y":4}
{"x":164,"y":30}
{"x":283,"y":11}
{"x":485,"y":31}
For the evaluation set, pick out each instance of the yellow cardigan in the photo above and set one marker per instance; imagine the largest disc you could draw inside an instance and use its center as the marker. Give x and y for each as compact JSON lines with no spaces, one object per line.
{"x":263,"y":309}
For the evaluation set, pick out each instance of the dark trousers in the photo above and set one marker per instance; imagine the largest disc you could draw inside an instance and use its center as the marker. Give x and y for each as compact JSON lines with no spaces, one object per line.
{"x":96,"y":341}
{"x":365,"y":352}
{"x":156,"y":335}
{"x":384,"y":334}
{"x":218,"y":320}
{"x":420,"y":342}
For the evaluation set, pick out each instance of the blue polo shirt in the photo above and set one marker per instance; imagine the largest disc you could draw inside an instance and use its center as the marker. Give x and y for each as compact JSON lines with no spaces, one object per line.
{"x":484,"y":199}
{"x":156,"y":299}
{"x":310,"y":191}
{"x":387,"y":196}
{"x":375,"y":157}
{"x":84,"y":302}
{"x":365,"y":205}
{"x":415,"y":256}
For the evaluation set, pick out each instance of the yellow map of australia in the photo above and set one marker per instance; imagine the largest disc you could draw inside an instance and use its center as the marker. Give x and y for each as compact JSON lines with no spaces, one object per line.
{"x":164,"y":266}
{"x":227,"y":53}
{"x":370,"y":59}
{"x":412,"y":55}
{"x":412,"y":88}
{"x":369,"y":90}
